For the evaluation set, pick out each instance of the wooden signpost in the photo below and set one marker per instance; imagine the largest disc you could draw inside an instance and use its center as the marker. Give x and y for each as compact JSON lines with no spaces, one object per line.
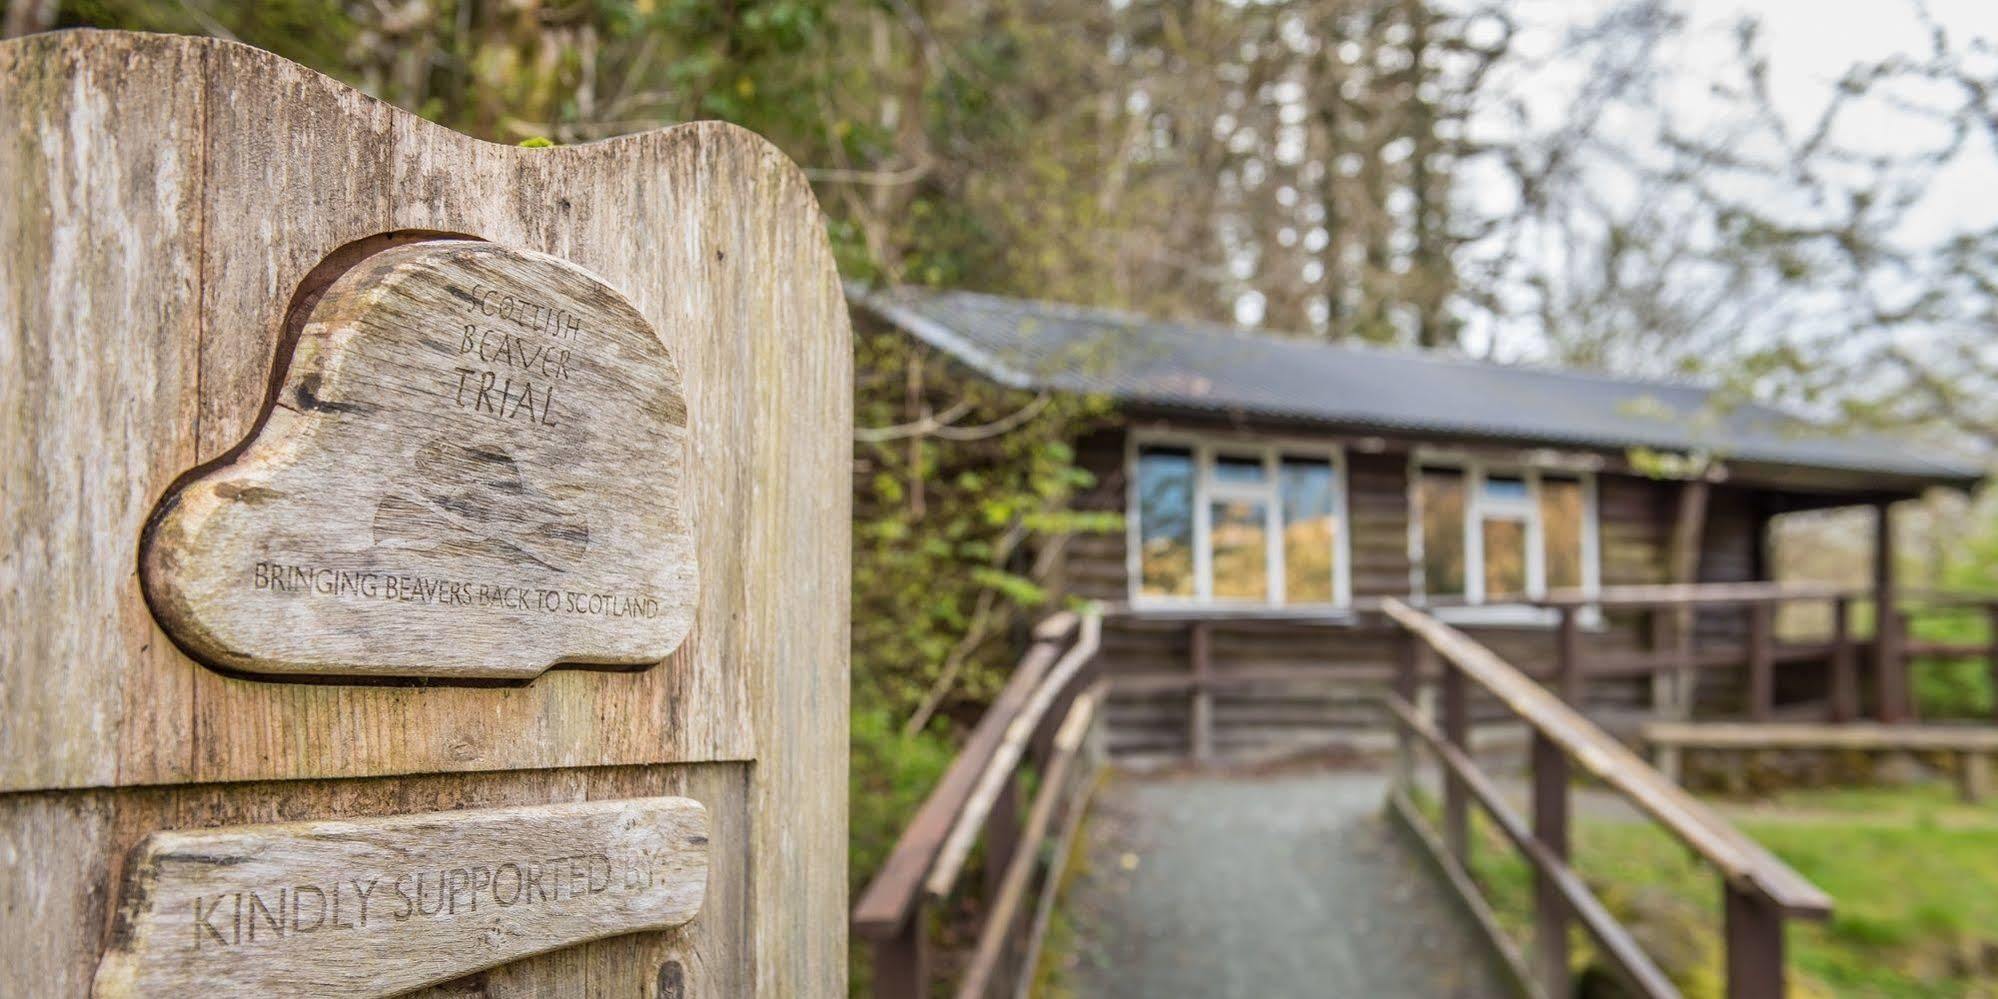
{"x":472,"y":470}
{"x":263,"y":910}
{"x":332,"y":439}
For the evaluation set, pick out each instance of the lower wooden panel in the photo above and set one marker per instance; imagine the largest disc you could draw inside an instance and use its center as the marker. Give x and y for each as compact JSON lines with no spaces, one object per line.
{"x":62,"y":855}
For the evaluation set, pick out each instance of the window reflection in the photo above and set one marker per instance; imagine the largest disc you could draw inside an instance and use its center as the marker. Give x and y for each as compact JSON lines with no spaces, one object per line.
{"x":1239,"y":470}
{"x":1165,"y":522}
{"x":1505,"y":558}
{"x":1561,"y":526}
{"x":1310,"y":533}
{"x":1440,"y":494}
{"x":1505,"y":489}
{"x":1241,"y":549}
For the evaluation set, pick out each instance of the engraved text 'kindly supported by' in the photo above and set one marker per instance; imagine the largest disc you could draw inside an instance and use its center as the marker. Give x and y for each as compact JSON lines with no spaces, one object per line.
{"x":473,"y":470}
{"x":291,"y":909}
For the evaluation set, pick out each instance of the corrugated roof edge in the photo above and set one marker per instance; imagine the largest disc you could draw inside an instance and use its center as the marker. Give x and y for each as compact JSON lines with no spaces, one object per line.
{"x":887,"y":296}
{"x":886,"y":303}
{"x":937,"y":335}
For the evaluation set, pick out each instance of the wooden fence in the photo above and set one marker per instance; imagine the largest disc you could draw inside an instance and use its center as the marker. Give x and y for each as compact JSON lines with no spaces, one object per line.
{"x":1047,"y":720}
{"x":1044,"y":723}
{"x":1891,"y":646}
{"x":1667,"y":652}
{"x":1760,"y":891}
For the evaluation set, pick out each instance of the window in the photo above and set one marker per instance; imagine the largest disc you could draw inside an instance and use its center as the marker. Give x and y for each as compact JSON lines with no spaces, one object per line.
{"x":1165,"y":521}
{"x":1233,"y":523}
{"x":1562,"y":515}
{"x":1306,"y":488}
{"x":1492,"y":535}
{"x":1504,"y":515}
{"x":1440,"y":495}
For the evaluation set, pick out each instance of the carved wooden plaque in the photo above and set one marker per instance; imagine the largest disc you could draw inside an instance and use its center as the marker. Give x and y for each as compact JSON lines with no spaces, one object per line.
{"x":472,"y":469}
{"x":381,"y":906}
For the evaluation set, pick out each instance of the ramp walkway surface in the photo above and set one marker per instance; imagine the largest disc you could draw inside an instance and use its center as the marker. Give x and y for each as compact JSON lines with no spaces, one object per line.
{"x":1263,"y":886}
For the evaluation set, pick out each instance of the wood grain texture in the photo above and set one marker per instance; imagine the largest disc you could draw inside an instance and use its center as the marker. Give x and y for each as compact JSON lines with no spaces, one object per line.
{"x":63,"y":857}
{"x":167,"y":201}
{"x":1833,"y":736}
{"x":374,"y":907}
{"x":472,"y":471}
{"x":143,"y":326}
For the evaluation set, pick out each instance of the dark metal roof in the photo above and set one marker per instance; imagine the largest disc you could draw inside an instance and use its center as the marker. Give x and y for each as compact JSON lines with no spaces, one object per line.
{"x":1041,"y":345}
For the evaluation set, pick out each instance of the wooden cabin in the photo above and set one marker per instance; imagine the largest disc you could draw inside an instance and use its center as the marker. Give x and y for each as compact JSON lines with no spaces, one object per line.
{"x":1274,"y":487}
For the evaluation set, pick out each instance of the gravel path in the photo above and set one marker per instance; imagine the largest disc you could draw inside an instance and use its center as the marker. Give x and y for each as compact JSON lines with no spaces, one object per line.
{"x":1232,"y":886}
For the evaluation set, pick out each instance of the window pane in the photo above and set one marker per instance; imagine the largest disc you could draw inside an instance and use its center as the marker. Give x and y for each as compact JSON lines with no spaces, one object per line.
{"x":1241,"y":549}
{"x":1165,"y":522}
{"x":1440,"y":491}
{"x":1561,"y":526}
{"x":1505,"y":489}
{"x":1505,"y":558}
{"x":1239,"y":470}
{"x":1310,"y":534}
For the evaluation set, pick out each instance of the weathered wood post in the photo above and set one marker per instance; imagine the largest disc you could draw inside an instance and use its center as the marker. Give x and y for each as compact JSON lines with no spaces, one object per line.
{"x":1844,"y":665}
{"x":1973,"y":778}
{"x":1413,"y":658}
{"x":1889,"y":659}
{"x":1456,"y":796}
{"x":334,"y":438}
{"x":1991,"y":657}
{"x":1568,"y":657}
{"x":1200,"y":694}
{"x":1755,"y":962}
{"x":902,"y":961}
{"x":1550,"y":828}
{"x":1761,"y":660}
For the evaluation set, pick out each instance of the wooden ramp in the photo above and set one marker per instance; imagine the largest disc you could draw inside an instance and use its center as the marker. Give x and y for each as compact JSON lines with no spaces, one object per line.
{"x":1296,"y":885}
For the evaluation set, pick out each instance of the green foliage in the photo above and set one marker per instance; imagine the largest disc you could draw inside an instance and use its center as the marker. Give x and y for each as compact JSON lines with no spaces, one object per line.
{"x":946,"y":532}
{"x":1960,"y":688}
{"x":891,"y":773}
{"x":1913,"y":876}
{"x":317,"y":33}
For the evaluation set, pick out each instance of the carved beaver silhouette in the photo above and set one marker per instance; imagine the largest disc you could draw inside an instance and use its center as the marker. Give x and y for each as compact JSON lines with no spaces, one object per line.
{"x":472,"y":499}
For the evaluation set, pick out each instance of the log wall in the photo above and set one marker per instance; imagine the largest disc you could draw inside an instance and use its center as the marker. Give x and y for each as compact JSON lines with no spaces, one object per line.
{"x":1264,"y":719}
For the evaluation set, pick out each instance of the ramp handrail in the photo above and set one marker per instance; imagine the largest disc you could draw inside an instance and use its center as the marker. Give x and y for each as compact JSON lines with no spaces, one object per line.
{"x":1761,"y":891}
{"x":1892,"y":646}
{"x":1046,"y":717}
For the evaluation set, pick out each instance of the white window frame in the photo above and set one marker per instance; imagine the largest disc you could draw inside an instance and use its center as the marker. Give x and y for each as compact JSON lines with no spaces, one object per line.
{"x":1206,"y":489}
{"x":1477,"y":508}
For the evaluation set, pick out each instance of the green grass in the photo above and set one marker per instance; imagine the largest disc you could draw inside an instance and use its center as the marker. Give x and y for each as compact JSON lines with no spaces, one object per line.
{"x":1913,"y":875}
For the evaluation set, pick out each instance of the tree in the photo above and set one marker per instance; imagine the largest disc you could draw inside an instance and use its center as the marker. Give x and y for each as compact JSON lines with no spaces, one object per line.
{"x":1790,"y":256}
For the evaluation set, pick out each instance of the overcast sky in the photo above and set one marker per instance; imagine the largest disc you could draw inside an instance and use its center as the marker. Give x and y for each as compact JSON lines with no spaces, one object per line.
{"x":1809,"y":44}
{"x":1812,"y":42}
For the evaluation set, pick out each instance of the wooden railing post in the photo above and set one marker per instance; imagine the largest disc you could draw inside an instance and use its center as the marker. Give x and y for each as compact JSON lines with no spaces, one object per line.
{"x":1002,"y":833}
{"x":1973,"y":776}
{"x":1550,"y":827}
{"x":1457,"y":730}
{"x":1844,"y":670}
{"x":1904,"y":626}
{"x":1761,"y":891}
{"x":1991,"y":664}
{"x":1200,"y":696}
{"x":902,"y":962}
{"x":1754,"y":946}
{"x":1568,"y":658}
{"x":1887,"y":649}
{"x":1891,"y":662}
{"x":1761,"y":661}
{"x":1412,"y":657}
